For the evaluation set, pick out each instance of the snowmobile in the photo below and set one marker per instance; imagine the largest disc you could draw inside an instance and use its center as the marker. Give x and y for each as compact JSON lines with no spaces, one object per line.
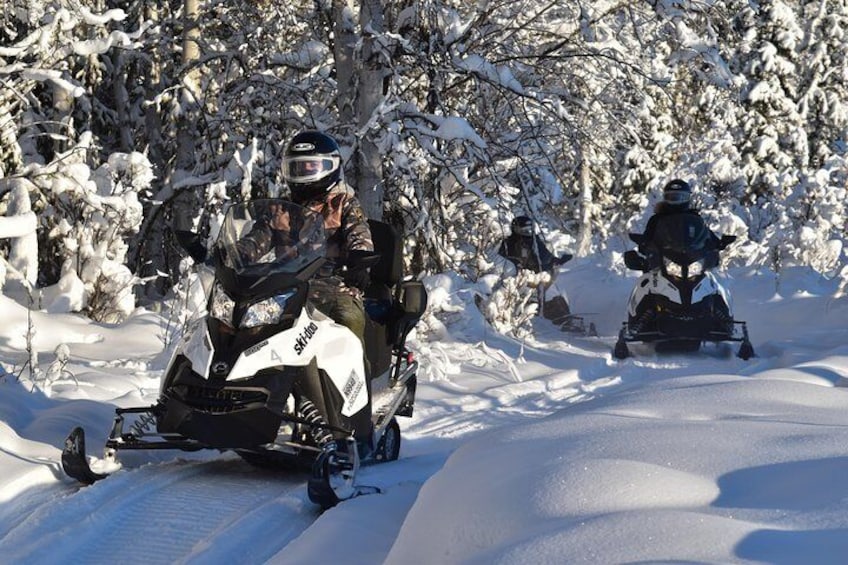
{"x":265,"y":374}
{"x":677,"y":304}
{"x":551,"y":300}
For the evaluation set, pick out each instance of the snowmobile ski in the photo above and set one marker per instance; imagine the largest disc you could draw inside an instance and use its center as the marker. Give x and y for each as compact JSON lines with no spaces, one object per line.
{"x":75,"y":461}
{"x":334,"y":475}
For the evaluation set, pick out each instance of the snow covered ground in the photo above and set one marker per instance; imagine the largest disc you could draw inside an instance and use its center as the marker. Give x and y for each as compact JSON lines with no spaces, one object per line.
{"x":546,"y":451}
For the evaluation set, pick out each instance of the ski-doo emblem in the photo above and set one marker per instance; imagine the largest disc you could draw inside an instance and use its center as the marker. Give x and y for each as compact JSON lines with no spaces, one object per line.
{"x":302,"y":340}
{"x":303,"y":147}
{"x":220,"y":368}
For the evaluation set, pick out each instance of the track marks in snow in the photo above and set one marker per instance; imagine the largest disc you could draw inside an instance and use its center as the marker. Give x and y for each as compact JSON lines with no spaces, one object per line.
{"x":537,"y":383}
{"x":178,"y":512}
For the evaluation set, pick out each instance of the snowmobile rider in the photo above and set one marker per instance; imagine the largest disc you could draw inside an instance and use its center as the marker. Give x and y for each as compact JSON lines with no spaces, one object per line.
{"x":527,"y":251}
{"x":312,"y":169}
{"x":677,"y":196}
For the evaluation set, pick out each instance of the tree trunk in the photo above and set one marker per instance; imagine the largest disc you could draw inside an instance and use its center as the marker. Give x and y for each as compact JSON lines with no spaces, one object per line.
{"x":191,"y":53}
{"x":360,"y":84}
{"x":20,"y":226}
{"x":63,"y":104}
{"x":368,"y":162}
{"x":191,"y":31}
{"x":584,"y":239}
{"x":344,"y":33}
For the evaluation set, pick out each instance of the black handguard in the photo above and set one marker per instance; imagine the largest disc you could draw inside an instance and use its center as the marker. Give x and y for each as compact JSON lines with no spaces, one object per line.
{"x":564,"y":258}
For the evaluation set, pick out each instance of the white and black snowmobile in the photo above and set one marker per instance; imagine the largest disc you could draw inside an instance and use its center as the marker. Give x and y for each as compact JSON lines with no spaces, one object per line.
{"x":265,"y":374}
{"x":677,"y":303}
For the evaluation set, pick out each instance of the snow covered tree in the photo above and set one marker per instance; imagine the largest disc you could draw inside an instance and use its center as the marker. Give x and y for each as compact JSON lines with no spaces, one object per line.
{"x":51,"y":70}
{"x":452,"y":116}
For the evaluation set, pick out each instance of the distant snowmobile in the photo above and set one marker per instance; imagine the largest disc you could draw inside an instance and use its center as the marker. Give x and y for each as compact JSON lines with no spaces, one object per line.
{"x":267,"y":375}
{"x":678,"y":303}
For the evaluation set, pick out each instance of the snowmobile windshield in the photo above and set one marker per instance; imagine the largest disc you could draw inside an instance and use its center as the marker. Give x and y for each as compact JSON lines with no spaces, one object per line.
{"x":683,"y":235}
{"x":270,"y":236}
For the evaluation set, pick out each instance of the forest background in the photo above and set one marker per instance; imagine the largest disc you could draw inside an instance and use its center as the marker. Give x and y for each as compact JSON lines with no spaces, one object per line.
{"x":122,"y":120}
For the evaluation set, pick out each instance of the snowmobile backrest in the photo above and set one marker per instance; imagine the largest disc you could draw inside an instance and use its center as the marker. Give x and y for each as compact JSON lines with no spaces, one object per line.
{"x":388,"y":243}
{"x":413,"y":299}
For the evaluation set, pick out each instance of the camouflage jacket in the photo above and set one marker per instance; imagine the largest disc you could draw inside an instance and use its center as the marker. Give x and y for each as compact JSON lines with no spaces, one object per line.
{"x":344,"y":222}
{"x":345,"y":227}
{"x":347,"y":230}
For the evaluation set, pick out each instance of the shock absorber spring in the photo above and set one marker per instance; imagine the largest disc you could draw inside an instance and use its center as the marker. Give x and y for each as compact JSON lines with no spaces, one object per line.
{"x":318,"y":429}
{"x":142,"y":424}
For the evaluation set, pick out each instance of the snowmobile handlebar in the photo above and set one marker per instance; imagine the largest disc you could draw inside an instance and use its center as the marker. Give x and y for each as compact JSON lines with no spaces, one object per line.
{"x":725,"y":242}
{"x":192,"y":244}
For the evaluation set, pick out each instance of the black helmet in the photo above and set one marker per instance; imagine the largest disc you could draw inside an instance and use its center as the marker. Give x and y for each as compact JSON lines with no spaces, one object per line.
{"x":677,"y":193}
{"x":312,"y":164}
{"x":522,"y":225}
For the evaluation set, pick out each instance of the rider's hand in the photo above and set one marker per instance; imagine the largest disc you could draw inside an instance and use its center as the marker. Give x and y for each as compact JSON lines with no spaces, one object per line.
{"x":280,"y":219}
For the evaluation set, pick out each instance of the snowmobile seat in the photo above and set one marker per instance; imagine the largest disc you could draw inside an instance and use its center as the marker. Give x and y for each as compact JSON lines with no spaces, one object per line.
{"x":380,"y":304}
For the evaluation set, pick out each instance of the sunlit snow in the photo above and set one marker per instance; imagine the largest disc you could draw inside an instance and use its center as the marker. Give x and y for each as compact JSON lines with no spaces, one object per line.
{"x":546,"y":451}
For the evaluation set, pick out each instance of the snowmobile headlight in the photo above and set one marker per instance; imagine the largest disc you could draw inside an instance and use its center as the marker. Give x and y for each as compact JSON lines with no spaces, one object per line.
{"x":268,"y":311}
{"x":222,"y":305}
{"x":696,"y":269}
{"x":673,"y":269}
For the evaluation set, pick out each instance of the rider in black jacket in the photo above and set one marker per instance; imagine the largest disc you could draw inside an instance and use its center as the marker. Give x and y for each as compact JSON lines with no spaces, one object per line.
{"x":677,"y":196}
{"x":527,"y":251}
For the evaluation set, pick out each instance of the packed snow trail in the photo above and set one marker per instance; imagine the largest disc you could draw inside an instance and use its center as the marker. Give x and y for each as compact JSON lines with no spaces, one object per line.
{"x":178,"y":512}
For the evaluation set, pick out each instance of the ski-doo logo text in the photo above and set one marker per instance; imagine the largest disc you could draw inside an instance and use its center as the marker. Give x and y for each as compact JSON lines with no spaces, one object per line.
{"x":305,"y":336}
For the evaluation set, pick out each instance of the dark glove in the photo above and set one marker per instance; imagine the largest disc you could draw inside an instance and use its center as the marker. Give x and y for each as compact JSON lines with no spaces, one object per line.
{"x":357,"y":278}
{"x":565,"y":258}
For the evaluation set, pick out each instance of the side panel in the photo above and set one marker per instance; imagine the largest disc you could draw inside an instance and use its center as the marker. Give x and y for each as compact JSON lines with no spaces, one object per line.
{"x":663,"y":287}
{"x":197,"y":347}
{"x":640,"y":291}
{"x":652,"y":283}
{"x":705,"y":288}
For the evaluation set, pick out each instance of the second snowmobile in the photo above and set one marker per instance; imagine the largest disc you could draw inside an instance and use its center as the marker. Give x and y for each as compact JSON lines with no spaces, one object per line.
{"x":267,"y":375}
{"x":678,"y":303}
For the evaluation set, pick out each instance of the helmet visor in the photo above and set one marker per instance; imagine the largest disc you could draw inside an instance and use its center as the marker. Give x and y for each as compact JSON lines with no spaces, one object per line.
{"x":676,"y":196}
{"x":309,"y":168}
{"x":523,"y":229}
